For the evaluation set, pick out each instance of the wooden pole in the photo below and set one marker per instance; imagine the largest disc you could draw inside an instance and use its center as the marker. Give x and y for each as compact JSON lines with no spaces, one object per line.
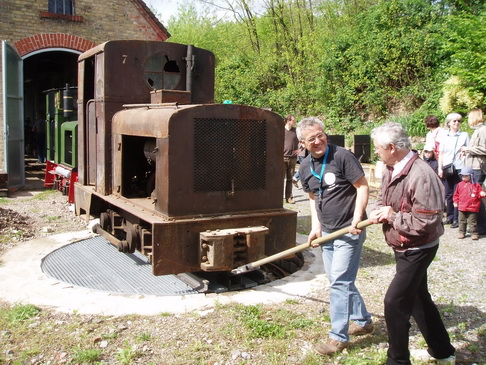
{"x":280,"y":255}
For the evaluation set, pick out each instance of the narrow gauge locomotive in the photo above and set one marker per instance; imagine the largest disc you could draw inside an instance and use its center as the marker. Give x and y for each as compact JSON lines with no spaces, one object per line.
{"x":192,"y":185}
{"x":61,"y":140}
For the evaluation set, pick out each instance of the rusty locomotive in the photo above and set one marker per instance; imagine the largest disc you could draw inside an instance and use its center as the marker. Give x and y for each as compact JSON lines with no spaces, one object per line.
{"x":191,"y":184}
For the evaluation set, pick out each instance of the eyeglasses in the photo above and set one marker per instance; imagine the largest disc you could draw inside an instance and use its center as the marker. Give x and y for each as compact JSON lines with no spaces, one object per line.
{"x":320,"y":136}
{"x":456,"y":121}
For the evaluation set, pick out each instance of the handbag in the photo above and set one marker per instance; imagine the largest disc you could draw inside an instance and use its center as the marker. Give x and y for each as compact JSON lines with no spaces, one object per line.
{"x":448,"y":170}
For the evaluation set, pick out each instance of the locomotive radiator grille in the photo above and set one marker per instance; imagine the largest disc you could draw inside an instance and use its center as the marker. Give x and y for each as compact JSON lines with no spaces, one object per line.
{"x":229,"y":154}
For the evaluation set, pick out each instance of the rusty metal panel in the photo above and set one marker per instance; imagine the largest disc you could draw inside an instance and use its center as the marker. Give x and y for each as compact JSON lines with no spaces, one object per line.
{"x":210,"y":159}
{"x":223,"y":158}
{"x":90,"y":143}
{"x":176,"y":243}
{"x":125,"y":72}
{"x":134,"y":68}
{"x":170,"y":96}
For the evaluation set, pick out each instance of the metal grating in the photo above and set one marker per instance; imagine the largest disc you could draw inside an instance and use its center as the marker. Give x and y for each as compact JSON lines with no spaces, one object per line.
{"x":229,"y":154}
{"x":97,"y":264}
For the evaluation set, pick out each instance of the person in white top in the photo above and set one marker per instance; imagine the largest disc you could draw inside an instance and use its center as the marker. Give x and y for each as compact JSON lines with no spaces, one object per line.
{"x":435,"y":133}
{"x":450,"y":153}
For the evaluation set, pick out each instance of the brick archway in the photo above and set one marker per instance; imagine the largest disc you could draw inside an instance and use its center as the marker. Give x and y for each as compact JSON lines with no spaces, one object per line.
{"x":52,"y":40}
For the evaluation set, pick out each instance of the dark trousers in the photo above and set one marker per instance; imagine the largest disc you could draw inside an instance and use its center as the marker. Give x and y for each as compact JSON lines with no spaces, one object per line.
{"x":450,"y":185}
{"x":289,"y":168}
{"x":407,"y":296}
{"x":468,"y":220}
{"x":40,"y":146}
{"x":479,"y":177}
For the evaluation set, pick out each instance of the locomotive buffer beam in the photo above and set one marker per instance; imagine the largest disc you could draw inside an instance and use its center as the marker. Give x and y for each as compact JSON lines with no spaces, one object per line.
{"x":222,"y":250}
{"x":281,"y":255}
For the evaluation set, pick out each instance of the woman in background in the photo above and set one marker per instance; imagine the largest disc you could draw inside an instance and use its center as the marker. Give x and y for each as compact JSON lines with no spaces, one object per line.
{"x":450,"y":153}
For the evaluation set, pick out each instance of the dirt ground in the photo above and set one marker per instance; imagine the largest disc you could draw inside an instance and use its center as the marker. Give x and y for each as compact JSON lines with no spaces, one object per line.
{"x":34,"y":212}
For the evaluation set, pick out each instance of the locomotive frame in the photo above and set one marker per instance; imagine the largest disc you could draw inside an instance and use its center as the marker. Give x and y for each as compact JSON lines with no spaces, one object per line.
{"x":192,"y":185}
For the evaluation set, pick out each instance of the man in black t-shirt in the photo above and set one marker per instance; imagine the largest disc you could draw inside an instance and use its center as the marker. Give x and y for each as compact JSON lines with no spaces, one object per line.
{"x":338,"y":192}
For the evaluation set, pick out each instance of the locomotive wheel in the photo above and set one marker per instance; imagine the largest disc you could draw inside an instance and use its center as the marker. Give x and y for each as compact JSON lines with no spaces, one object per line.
{"x":133,"y":238}
{"x":105,"y":221}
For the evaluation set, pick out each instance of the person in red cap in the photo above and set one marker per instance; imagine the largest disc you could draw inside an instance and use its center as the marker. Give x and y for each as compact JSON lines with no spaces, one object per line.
{"x":467,"y":198}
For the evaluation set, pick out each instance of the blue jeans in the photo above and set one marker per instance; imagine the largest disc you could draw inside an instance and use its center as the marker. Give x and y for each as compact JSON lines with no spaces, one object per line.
{"x":341,"y":262}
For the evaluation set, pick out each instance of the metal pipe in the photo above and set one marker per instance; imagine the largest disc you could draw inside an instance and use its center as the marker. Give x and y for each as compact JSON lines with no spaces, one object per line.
{"x":189,"y":67}
{"x":280,"y":255}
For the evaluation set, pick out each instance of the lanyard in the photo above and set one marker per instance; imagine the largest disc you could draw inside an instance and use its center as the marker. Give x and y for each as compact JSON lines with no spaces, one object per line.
{"x":323,"y":168}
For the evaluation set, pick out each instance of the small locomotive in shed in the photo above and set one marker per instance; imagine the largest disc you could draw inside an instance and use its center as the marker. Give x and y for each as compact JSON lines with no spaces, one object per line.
{"x":192,"y":185}
{"x":61,"y":140}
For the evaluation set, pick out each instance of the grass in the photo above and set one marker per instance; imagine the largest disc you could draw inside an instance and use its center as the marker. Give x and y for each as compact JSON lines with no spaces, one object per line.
{"x":43,"y":195}
{"x":86,"y":356}
{"x":233,"y":333}
{"x":22,"y":312}
{"x":127,"y":354}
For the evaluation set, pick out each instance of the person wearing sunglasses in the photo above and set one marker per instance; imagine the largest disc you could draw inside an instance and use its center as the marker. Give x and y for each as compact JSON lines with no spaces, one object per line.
{"x":451,"y":162}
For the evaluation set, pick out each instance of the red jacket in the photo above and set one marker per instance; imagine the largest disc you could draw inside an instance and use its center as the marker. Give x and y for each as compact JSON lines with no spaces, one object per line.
{"x":467,"y":196}
{"x":417,"y":197}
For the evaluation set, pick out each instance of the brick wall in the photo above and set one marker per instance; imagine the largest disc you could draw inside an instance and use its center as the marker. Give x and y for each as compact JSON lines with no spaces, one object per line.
{"x":28,"y":26}
{"x":94,"y":20}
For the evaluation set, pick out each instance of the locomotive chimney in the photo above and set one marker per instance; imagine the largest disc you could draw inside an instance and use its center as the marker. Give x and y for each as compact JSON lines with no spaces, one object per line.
{"x":189,"y":67}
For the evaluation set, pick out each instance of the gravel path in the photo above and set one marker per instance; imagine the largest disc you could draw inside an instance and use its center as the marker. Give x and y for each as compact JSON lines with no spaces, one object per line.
{"x":456,"y":280}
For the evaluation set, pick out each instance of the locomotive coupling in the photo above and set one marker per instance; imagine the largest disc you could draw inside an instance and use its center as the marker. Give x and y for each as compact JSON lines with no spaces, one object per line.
{"x":281,"y":255}
{"x":222,"y":250}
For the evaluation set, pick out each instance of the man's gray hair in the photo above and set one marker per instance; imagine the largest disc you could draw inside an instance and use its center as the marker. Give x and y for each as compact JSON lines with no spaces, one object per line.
{"x":307,"y":123}
{"x":391,"y":133}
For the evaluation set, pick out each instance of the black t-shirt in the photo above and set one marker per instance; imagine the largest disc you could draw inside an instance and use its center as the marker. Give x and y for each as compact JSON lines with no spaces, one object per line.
{"x":335,"y":204}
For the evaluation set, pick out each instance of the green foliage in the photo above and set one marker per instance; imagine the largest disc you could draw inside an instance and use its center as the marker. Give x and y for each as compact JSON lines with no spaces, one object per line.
{"x":353,"y":63}
{"x":463,"y":39}
{"x":459,"y":98}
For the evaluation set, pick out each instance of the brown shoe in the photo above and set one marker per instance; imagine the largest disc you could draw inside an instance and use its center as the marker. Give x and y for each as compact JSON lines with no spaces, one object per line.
{"x":461,"y":235}
{"x":330,"y":347}
{"x":357,"y":330}
{"x":290,"y":201}
{"x":474,"y":237}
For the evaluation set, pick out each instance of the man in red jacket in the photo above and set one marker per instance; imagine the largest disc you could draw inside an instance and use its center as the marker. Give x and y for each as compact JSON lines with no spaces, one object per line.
{"x":410,"y":205}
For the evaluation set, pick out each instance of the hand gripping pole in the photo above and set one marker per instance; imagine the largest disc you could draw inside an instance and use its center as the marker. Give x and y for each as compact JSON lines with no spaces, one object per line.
{"x":318,"y":241}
